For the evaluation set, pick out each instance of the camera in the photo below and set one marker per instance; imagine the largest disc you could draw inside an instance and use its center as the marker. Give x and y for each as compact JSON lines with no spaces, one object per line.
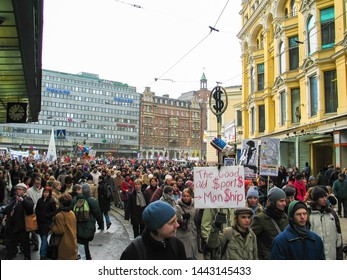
{"x":184,"y":224}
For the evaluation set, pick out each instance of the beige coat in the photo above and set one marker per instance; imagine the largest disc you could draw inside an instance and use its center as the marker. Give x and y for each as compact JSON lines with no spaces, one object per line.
{"x":65,"y":223}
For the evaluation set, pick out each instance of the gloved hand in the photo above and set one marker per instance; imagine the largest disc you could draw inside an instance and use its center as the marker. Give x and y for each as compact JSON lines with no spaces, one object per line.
{"x":220,"y":219}
{"x":186,"y":216}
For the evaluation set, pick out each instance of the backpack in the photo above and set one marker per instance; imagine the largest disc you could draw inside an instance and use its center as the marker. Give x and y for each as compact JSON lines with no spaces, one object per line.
{"x":81,"y":209}
{"x":142,"y":251}
{"x":109,"y":193}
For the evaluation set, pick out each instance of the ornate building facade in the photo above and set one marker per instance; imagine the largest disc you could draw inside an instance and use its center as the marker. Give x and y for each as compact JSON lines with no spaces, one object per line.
{"x":169,"y":128}
{"x":294,"y":78}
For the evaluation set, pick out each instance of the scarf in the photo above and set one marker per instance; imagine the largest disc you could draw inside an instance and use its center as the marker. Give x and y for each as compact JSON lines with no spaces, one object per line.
{"x":140,"y":199}
{"x":242,"y":233}
{"x":274,"y":212}
{"x":254,"y":208}
{"x":301,"y":231}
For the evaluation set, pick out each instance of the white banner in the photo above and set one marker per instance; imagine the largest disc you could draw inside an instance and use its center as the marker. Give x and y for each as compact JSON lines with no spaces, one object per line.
{"x":269,"y":156}
{"x":19,"y":154}
{"x":219,"y":188}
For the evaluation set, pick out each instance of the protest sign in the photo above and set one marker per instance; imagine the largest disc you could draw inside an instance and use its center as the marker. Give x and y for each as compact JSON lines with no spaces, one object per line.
{"x":249,"y":158}
{"x":219,"y":188}
{"x":269,"y":156}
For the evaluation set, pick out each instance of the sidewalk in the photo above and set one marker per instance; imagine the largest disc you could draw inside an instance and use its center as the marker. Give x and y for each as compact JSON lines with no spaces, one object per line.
{"x":343,"y":222}
{"x":119,"y":215}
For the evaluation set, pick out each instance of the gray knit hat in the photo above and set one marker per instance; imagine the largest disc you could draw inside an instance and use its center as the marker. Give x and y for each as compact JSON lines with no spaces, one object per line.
{"x":275,"y":194}
{"x":85,"y":189}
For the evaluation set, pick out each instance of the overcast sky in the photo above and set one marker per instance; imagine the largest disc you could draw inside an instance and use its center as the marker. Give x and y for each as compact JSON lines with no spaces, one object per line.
{"x":136,"y":41}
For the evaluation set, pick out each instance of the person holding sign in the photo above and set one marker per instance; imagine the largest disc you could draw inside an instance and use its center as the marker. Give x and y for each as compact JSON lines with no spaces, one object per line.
{"x":211,"y":217}
{"x":270,"y":222}
{"x":237,"y":242}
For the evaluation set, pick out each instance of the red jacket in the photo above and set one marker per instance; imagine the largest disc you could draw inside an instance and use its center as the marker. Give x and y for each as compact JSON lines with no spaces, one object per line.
{"x":127,"y":186}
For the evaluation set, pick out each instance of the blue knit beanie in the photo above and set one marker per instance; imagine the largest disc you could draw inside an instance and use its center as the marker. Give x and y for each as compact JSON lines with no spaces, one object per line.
{"x":157,"y":214}
{"x":252,"y":192}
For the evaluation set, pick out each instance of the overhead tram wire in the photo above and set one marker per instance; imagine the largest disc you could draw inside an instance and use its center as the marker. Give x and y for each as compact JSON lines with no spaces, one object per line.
{"x":130,"y":4}
{"x":212,"y":28}
{"x":286,"y":50}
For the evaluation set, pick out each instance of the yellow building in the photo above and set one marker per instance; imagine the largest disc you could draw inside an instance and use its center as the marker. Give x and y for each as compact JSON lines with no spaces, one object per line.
{"x":294,"y":78}
{"x":229,"y":127}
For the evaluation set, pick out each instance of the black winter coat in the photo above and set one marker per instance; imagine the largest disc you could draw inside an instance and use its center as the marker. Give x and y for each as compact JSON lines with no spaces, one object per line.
{"x":156,"y":250}
{"x":104,"y":200}
{"x":45,"y":211}
{"x":15,"y":222}
{"x":133,"y":211}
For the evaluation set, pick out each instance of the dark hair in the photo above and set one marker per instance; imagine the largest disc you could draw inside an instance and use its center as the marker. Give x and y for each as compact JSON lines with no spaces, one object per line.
{"x":26,"y":178}
{"x":49,"y":190}
{"x":68,"y":180}
{"x":65,"y":199}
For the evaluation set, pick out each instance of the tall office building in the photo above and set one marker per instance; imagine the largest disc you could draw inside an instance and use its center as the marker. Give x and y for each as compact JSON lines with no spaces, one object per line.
{"x":81,"y":108}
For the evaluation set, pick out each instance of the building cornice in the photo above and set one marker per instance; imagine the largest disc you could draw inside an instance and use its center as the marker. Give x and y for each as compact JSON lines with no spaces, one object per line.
{"x":252,"y":19}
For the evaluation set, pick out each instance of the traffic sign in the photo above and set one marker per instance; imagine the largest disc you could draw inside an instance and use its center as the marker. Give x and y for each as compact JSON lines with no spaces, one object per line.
{"x":61,"y":134}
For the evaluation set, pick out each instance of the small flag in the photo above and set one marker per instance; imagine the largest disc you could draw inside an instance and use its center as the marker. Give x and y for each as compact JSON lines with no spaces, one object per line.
{"x":205,"y":136}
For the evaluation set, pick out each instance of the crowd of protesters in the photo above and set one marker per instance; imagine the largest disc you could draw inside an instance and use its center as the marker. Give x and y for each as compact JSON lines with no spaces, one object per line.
{"x":285,"y":217}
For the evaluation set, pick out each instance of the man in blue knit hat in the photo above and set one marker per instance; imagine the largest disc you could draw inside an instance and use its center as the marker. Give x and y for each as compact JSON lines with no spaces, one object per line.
{"x":158,"y":241}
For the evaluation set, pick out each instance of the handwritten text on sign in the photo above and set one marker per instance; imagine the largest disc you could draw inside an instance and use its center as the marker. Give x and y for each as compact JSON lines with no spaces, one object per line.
{"x":222,"y":188}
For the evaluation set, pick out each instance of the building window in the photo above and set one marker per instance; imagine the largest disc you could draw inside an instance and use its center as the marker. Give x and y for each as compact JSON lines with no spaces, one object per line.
{"x":239,"y":118}
{"x":283,"y":110}
{"x":311,"y":35}
{"x":313,"y":95}
{"x":252,"y":80}
{"x":293,"y":53}
{"x":327,"y":27}
{"x":260,"y":77}
{"x":261,"y":118}
{"x":330,"y":91}
{"x":282,"y":58}
{"x":296,"y":109}
{"x":252,"y":117}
